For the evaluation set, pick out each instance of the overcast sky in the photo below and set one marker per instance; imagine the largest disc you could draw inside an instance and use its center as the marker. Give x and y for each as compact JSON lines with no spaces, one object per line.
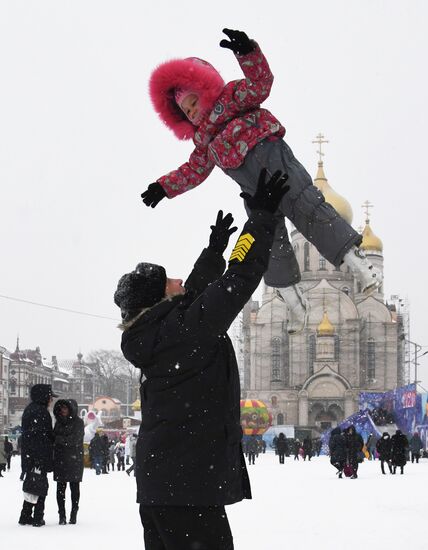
{"x":79,"y":142}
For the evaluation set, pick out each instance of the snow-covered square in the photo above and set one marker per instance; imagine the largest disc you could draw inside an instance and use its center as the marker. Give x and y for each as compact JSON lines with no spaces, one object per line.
{"x":297,"y":505}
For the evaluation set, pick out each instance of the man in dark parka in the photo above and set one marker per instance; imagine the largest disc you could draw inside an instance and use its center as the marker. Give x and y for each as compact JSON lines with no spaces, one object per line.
{"x":337,"y":448}
{"x":383,"y":447}
{"x":189,"y":461}
{"x":354,"y":446}
{"x":69,"y":431}
{"x":37,"y":447}
{"x":399,"y":448}
{"x":416,"y":446}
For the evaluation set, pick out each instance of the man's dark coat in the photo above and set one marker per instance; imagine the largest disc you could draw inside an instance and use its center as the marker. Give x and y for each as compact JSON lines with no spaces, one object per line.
{"x":189,"y":445}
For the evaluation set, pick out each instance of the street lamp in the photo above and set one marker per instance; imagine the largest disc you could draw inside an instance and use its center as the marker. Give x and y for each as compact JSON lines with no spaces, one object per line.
{"x":418,"y":348}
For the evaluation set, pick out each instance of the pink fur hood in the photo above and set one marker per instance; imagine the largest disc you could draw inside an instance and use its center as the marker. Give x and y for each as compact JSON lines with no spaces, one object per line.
{"x":192,"y":74}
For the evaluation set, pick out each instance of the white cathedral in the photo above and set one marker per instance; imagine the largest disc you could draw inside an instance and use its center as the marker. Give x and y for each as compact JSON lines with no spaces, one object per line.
{"x":352,"y":343}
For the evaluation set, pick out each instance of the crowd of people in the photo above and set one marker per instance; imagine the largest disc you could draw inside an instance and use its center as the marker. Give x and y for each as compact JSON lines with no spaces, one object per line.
{"x":348,"y":449}
{"x":283,"y":446}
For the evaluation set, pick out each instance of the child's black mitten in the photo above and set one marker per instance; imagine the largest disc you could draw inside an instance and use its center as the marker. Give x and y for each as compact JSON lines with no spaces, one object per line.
{"x":221,"y":232}
{"x":239,"y":42}
{"x":269,"y":193}
{"x":153,"y":195}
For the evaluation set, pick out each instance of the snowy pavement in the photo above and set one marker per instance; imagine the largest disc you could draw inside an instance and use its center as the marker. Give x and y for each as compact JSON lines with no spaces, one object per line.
{"x":298,"y":505}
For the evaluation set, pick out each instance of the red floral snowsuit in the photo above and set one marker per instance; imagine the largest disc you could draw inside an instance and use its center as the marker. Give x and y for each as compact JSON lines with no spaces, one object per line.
{"x":241,"y":138}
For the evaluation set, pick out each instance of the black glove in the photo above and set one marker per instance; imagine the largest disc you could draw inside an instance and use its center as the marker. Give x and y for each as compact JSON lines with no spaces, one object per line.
{"x":221,"y":232}
{"x":268,"y":194}
{"x":239,"y":42}
{"x":154,"y":194}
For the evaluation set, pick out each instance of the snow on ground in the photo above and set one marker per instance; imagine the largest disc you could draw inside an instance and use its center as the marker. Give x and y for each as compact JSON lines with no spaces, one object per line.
{"x":298,"y":505}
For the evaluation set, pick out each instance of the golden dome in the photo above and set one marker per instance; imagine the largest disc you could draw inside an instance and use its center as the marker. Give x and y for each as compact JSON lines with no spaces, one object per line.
{"x":325,"y":328}
{"x":339,"y":203}
{"x":136,"y":405}
{"x":370,"y":240}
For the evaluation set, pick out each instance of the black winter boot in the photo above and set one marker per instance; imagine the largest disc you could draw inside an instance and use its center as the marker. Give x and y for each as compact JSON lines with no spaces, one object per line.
{"x":73,"y":516}
{"x":62,"y":520}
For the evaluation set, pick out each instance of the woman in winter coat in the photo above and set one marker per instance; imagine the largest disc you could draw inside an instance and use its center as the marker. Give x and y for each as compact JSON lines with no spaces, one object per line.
{"x":307,"y":448}
{"x":383,"y":447}
{"x":282,"y":447}
{"x":416,"y":445}
{"x":399,"y":449}
{"x":68,"y":456}
{"x":231,"y":130}
{"x":337,"y":448}
{"x":354,"y":446}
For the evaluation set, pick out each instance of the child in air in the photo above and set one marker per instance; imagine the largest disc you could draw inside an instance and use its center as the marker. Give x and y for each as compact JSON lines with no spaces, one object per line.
{"x":232,"y":131}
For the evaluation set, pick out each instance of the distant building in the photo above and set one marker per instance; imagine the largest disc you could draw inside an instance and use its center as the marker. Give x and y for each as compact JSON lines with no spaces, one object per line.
{"x":4,"y":389}
{"x":352,"y":343}
{"x":27,"y":368}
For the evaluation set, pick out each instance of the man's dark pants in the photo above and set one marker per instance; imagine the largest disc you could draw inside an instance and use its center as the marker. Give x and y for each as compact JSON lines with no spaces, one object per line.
{"x":186,"y":528}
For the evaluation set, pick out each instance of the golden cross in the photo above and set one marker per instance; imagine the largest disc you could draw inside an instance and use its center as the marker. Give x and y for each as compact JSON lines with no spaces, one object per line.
{"x":320,"y":140}
{"x":367,"y":205}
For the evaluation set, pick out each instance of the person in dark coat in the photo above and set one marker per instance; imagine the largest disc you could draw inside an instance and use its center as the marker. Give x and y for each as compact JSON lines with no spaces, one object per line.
{"x":282,"y":447}
{"x":105,"y":453}
{"x":263,"y":446}
{"x":354,"y":447}
{"x":252,"y":449}
{"x":416,"y":445}
{"x":69,"y":431}
{"x":96,"y":448}
{"x":296,"y":449}
{"x":189,"y":457}
{"x":307,"y":448}
{"x":337,"y":448}
{"x":37,"y":447}
{"x":3,"y":457}
{"x":8,"y":449}
{"x":399,"y":449}
{"x":383,"y":447}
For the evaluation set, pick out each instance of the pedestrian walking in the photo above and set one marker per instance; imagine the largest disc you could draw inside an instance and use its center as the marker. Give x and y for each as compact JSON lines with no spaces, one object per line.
{"x":96,"y":449}
{"x":282,"y":447}
{"x":120,"y":454}
{"x":307,"y":448}
{"x":69,"y":431}
{"x":112,"y":455}
{"x":132,"y":453}
{"x":296,"y":449}
{"x":354,"y":447}
{"x":400,"y":445}
{"x":252,"y":449}
{"x":3,"y":456}
{"x":415,"y":446}
{"x":383,"y":447}
{"x":338,"y":451}
{"x":8,"y":449}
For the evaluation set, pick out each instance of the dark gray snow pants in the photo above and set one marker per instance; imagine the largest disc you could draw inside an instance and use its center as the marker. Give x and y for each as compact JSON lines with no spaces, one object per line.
{"x":303,"y":205}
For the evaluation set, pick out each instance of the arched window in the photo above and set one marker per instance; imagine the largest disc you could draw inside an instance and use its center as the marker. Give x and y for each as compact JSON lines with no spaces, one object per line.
{"x":371,"y":359}
{"x":280,"y":419}
{"x":276,"y":359}
{"x":311,"y":353}
{"x":306,"y":264}
{"x":323,"y":264}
